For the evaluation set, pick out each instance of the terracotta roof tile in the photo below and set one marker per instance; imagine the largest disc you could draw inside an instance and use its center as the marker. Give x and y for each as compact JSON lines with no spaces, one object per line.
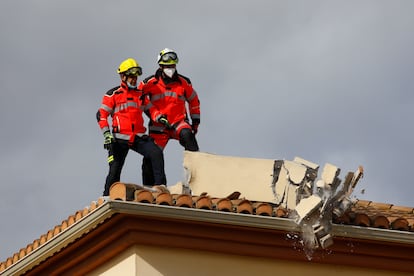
{"x":43,"y":239}
{"x":222,"y":204}
{"x":399,"y":217}
{"x":64,"y":225}
{"x":203,"y":202}
{"x":163,"y":198}
{"x":29,"y":248}
{"x":263,"y":209}
{"x":23,"y":252}
{"x":281,"y":212}
{"x":183,"y":200}
{"x":362,"y":213}
{"x":143,"y":196}
{"x":78,"y":215}
{"x":36,"y":244}
{"x":380,"y":206}
{"x":9,"y":261}
{"x":402,"y":209}
{"x":362,"y":219}
{"x":381,"y":222}
{"x":411,"y":222}
{"x":15,"y":257}
{"x":363,"y":203}
{"x":400,"y":224}
{"x":243,"y":206}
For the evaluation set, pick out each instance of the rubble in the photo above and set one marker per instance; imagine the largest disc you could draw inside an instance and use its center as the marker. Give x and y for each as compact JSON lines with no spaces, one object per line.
{"x":313,"y":203}
{"x":291,"y":185}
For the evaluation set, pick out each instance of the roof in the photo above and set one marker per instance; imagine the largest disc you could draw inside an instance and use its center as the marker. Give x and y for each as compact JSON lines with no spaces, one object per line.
{"x":394,"y":223}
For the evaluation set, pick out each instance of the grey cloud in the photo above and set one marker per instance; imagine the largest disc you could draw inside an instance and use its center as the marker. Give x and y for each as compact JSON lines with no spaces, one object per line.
{"x":326,"y":81}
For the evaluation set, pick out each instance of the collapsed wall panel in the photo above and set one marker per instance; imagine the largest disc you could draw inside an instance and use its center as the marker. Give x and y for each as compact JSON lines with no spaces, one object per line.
{"x":289,"y":184}
{"x":222,"y":175}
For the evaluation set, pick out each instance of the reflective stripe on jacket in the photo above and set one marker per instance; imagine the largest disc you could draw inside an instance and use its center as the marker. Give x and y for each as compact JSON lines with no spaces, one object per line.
{"x":170,"y":98}
{"x":125,"y":106}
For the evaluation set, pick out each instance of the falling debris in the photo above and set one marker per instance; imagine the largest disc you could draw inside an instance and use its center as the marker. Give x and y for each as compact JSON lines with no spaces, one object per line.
{"x":312,"y":201}
{"x":294,"y":186}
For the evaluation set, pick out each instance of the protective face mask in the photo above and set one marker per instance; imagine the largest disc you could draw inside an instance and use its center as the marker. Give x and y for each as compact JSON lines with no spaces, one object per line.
{"x":130,"y":86}
{"x":169,"y":72}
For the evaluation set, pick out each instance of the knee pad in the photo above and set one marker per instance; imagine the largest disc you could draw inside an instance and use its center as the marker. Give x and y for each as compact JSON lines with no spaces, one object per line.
{"x":188,"y":140}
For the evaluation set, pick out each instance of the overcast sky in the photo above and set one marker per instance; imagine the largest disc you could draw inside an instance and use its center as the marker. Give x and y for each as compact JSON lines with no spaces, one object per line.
{"x":328,"y":81}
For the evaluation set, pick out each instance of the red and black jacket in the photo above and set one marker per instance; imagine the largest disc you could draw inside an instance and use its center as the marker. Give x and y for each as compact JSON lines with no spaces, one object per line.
{"x":125,"y":106}
{"x":169,"y":97}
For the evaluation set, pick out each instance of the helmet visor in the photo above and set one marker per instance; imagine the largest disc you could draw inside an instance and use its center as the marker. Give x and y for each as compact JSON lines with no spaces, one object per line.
{"x":171,"y":56}
{"x":134,"y":72}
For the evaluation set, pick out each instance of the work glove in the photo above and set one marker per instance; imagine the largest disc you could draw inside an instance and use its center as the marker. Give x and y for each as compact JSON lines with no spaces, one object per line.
{"x":163,"y":120}
{"x":109,"y":139}
{"x":194,"y":126}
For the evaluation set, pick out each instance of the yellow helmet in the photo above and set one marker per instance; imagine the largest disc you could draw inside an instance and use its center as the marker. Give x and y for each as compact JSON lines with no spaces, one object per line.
{"x":167,"y":57}
{"x":130,"y":66}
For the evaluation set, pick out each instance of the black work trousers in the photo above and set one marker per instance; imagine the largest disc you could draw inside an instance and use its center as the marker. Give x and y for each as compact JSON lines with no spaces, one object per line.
{"x":187,"y":140}
{"x":143,"y":145}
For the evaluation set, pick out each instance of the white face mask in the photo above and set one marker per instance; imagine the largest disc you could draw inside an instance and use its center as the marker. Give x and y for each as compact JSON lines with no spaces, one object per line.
{"x":169,"y":72}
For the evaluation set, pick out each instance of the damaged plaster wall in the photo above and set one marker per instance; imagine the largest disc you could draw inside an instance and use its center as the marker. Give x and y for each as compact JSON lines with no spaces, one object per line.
{"x":293,"y":185}
{"x":222,"y":175}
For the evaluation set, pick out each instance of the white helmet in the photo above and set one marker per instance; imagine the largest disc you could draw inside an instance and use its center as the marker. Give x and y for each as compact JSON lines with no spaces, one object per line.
{"x":167,"y":57}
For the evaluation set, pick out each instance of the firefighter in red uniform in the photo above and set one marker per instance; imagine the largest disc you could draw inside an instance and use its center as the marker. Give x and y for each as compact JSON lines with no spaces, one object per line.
{"x":125,"y":104}
{"x":172,"y":94}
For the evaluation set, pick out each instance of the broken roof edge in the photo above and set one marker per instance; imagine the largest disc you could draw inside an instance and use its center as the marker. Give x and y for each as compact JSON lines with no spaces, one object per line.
{"x":247,"y":220}
{"x":112,"y":207}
